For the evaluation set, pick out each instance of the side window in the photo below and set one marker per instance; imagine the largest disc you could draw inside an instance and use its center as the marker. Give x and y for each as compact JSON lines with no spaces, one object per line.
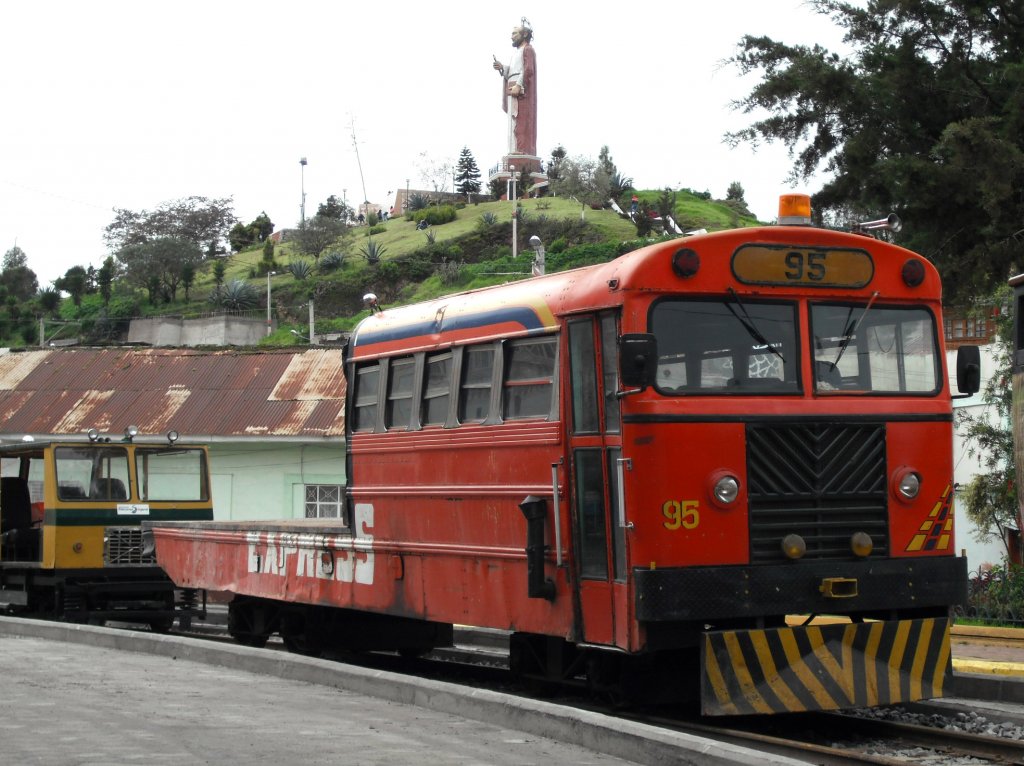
{"x":398,"y":410}
{"x":437,"y":381}
{"x":475,"y":391}
{"x":529,"y":378}
{"x":364,"y":411}
{"x":585,"y":415}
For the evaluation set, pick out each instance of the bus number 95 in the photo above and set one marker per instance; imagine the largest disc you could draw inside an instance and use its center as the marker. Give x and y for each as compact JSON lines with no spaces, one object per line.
{"x":802,"y":267}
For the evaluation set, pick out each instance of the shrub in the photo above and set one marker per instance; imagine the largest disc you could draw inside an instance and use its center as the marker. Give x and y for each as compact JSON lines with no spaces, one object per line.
{"x":557,"y":246}
{"x":378,"y":229}
{"x":449,"y":272}
{"x":435,"y":216}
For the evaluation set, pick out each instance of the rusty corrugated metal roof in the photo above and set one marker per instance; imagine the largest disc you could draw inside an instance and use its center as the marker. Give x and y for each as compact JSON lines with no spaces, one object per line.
{"x":223,"y":393}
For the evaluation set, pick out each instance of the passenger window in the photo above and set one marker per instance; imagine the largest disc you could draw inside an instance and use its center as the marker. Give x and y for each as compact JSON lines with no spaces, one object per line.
{"x":398,"y":411}
{"x":475,"y":395}
{"x":364,"y":413}
{"x":529,"y":377}
{"x":436,"y":389}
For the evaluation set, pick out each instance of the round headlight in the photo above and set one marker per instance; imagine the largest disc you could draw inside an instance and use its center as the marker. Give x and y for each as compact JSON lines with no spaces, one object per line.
{"x":793,"y":546}
{"x":727,"y":489}
{"x":861,"y":544}
{"x":910,"y":485}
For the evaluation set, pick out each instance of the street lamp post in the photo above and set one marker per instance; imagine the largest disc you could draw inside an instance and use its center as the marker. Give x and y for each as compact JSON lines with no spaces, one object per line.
{"x":512,"y":199}
{"x":302,"y":207}
{"x":269,"y":275}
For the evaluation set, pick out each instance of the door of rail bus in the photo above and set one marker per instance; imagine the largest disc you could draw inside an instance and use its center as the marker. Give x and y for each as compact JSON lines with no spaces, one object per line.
{"x":596,"y":465}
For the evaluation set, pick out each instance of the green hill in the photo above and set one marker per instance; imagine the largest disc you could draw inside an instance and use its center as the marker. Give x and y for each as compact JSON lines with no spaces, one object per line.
{"x":473,"y":250}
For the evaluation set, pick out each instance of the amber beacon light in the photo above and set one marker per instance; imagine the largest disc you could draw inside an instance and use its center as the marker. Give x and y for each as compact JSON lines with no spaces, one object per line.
{"x":794,"y":210}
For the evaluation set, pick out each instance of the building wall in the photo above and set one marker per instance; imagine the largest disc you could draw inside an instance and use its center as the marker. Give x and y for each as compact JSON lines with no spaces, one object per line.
{"x":210,"y":331}
{"x":267,"y":480}
{"x":966,"y":467}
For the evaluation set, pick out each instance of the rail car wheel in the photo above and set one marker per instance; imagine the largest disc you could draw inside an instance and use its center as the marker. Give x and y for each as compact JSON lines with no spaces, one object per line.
{"x":302,"y":633}
{"x":249,"y":622}
{"x":161,"y":624}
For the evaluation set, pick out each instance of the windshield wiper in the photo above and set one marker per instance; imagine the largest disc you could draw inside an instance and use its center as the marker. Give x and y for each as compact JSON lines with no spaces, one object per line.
{"x":851,"y":331}
{"x":748,"y":324}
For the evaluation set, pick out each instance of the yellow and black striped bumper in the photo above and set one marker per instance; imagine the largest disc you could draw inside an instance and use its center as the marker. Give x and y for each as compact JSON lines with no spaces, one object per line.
{"x":824,"y":667}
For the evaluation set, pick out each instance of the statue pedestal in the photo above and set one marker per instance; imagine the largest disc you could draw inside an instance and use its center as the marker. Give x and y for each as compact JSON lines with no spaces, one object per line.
{"x":530,"y":176}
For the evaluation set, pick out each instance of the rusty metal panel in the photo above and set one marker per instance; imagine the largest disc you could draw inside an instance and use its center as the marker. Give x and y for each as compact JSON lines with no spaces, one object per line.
{"x":314,"y":376}
{"x":221,"y":393}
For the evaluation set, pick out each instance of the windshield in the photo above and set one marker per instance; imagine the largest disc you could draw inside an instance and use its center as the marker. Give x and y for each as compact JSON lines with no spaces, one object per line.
{"x":874,"y":349}
{"x":726,"y":346}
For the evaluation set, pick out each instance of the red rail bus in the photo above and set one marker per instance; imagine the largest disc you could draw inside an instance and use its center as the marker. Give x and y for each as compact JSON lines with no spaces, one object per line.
{"x":640,"y":468}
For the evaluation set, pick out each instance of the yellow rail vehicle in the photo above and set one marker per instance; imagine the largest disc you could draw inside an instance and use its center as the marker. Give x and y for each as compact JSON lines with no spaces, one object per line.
{"x":70,"y":535}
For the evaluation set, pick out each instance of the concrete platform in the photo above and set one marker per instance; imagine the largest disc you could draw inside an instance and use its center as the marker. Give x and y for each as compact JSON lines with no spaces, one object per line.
{"x":72,"y":694}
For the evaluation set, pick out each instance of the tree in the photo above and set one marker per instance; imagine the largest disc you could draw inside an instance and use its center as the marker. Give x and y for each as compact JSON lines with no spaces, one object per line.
{"x":990,"y":498}
{"x":554,"y":170}
{"x":666,"y":205}
{"x":262,"y":226}
{"x":203,"y":222}
{"x":73,"y":283}
{"x":188,"y":277}
{"x":240,"y":237}
{"x":105,"y":279}
{"x":19,"y":280}
{"x":14,"y":258}
{"x":583,"y":180}
{"x":48,"y":300}
{"x":318,"y":233}
{"x":162,"y":259}
{"x":335,"y":208}
{"x":921,"y":118}
{"x":435,"y":173}
{"x":467,"y":174}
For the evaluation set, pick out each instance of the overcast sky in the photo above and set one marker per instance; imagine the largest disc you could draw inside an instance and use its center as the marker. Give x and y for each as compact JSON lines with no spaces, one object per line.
{"x":132,"y":104}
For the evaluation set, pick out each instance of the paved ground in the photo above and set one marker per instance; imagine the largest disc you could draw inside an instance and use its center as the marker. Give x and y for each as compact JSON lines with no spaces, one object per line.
{"x":63,"y":703}
{"x":91,"y":696}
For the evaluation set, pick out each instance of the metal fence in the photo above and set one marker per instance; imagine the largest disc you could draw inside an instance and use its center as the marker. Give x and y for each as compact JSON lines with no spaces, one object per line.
{"x":995,"y":596}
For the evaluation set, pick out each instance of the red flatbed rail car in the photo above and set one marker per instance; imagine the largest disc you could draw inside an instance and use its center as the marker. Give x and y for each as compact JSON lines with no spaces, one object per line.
{"x":640,"y":468}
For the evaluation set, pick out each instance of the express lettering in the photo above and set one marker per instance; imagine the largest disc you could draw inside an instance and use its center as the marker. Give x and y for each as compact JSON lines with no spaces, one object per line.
{"x":325,"y":557}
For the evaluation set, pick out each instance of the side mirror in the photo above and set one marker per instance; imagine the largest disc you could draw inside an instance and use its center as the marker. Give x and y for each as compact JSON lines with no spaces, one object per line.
{"x":968,"y":370}
{"x":638,"y":359}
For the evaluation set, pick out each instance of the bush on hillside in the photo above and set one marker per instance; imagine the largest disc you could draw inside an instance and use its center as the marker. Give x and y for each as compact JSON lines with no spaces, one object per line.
{"x":435,"y":216}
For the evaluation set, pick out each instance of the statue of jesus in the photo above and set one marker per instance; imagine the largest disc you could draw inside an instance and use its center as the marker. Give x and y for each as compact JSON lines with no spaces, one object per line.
{"x":519,"y":92}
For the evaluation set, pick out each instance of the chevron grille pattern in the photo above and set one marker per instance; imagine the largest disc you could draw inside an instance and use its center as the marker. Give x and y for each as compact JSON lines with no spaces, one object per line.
{"x":822,"y":481}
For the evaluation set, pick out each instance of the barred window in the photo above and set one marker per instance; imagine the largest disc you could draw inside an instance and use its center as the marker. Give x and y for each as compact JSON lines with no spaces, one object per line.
{"x":323,"y":501}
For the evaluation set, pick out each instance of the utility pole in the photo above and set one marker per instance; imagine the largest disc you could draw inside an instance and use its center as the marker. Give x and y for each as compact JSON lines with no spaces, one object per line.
{"x":302,"y":208}
{"x":355,"y":145}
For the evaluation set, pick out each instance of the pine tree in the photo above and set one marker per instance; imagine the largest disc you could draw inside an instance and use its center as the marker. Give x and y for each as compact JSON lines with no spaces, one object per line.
{"x":467,"y":174}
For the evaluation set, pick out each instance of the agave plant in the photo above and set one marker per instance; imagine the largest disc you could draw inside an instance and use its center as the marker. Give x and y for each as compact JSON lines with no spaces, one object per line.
{"x":235,"y":295}
{"x":331,"y":262}
{"x":486,"y":220}
{"x":300,"y":268}
{"x":373,"y":251}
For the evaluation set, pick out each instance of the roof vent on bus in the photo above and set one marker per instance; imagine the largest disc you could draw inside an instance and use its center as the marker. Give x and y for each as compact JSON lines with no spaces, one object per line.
{"x":794,"y":210}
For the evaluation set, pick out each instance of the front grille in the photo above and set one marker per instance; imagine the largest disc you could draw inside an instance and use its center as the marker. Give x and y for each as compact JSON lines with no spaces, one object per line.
{"x":822,"y":481}
{"x":123,"y":545}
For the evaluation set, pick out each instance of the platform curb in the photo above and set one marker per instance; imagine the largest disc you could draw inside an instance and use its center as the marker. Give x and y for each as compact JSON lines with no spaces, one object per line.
{"x":595,"y":731}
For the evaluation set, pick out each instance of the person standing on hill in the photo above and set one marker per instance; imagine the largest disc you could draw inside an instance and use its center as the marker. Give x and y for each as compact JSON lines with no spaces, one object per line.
{"x":519,"y":92}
